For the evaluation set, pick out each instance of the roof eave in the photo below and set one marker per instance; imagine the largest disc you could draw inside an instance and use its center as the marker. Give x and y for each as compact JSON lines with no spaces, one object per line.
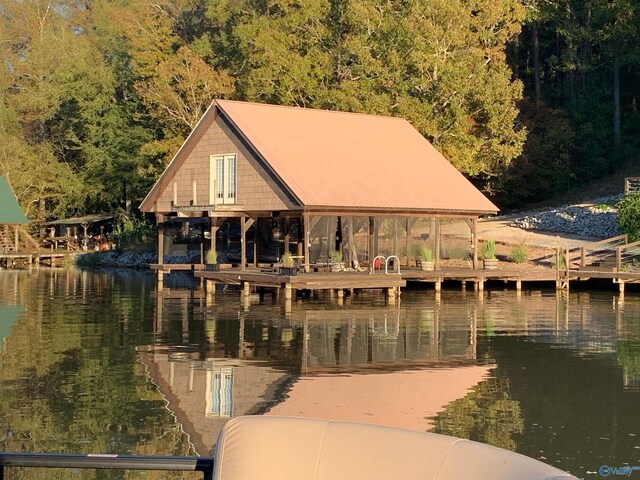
{"x":400,"y":211}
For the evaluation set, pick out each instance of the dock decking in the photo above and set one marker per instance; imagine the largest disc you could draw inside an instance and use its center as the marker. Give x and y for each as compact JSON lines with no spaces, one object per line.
{"x":391,"y":283}
{"x":9,"y":260}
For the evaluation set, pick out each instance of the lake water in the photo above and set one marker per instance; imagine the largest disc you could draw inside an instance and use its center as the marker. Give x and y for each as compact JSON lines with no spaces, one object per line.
{"x":103,"y":363}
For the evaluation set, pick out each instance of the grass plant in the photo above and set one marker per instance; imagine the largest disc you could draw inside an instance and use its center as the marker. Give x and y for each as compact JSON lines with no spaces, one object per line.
{"x":519,"y":253}
{"x":489,"y":250}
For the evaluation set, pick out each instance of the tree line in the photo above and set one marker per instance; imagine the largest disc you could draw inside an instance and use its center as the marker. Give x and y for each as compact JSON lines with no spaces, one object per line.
{"x":526,"y":97}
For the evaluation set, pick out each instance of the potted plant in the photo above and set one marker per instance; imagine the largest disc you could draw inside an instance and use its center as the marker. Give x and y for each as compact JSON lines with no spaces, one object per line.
{"x":288,"y":265}
{"x":489,"y":255}
{"x":336,"y":261}
{"x":424,"y":258}
{"x":212,"y":261}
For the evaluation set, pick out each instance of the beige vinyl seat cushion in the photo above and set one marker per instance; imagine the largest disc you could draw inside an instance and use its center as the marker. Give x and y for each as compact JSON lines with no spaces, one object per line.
{"x":287,"y":448}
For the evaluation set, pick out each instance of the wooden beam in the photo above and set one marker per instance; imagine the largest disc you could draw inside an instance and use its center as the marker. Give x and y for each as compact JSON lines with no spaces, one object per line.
{"x":391,"y":212}
{"x":249,"y":223}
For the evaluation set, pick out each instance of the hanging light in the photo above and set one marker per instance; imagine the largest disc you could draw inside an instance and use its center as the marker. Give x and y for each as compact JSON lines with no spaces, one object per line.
{"x":275,"y":233}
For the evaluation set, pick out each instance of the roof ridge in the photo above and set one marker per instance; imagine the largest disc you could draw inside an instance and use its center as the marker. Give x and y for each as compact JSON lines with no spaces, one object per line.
{"x":313,"y":109}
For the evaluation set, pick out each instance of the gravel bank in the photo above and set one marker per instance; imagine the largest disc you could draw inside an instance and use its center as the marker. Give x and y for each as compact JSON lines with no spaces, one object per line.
{"x":597,"y":218}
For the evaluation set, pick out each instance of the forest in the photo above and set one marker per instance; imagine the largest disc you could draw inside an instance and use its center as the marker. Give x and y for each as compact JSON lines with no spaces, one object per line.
{"x":528,"y":98}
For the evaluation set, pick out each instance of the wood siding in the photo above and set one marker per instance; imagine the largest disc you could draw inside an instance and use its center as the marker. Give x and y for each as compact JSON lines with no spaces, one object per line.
{"x":256,"y":189}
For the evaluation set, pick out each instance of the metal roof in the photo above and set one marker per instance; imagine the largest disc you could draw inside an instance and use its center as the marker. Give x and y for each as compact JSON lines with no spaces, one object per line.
{"x":330,"y":158}
{"x":10,"y":211}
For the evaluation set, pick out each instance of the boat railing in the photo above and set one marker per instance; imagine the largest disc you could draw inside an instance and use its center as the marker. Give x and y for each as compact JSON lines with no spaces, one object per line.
{"x":105,"y":461}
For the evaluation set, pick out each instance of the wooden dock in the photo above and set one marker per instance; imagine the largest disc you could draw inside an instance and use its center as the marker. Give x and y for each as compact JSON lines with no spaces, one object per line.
{"x":29,"y":259}
{"x":391,"y":283}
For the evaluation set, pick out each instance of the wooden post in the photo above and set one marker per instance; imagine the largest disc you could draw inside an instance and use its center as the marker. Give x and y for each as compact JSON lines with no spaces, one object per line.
{"x":287,"y":291}
{"x":255,"y":244}
{"x":371,"y":245}
{"x":566,"y":253}
{"x":246,"y":289}
{"x":306,"y":226}
{"x":438,"y":285}
{"x":161,"y":229}
{"x":17,"y":239}
{"x":243,"y":243}
{"x":437,"y":244}
{"x":376,"y":238}
{"x":474,"y":241}
{"x":287,"y":237}
{"x":210,"y":288}
{"x":214,"y":233}
{"x":408,"y":240}
{"x":391,"y":295}
{"x":395,"y":237}
{"x":202,"y":252}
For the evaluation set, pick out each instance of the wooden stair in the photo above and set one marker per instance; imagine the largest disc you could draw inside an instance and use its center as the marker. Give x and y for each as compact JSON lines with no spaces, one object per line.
{"x":26,"y":243}
{"x":7,"y":239}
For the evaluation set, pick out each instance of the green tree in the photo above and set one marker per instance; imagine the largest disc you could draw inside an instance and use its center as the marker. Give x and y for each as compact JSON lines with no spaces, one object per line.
{"x":174,"y":82}
{"x":629,"y":216}
{"x":440,"y":64}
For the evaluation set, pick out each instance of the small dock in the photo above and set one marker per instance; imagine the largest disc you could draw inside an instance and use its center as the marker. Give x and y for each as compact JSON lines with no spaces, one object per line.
{"x":12,"y":260}
{"x":289,"y":284}
{"x":340,"y":282}
{"x":604,"y":266}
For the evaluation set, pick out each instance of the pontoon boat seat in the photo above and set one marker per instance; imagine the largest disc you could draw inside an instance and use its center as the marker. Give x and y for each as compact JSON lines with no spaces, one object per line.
{"x":286,"y":448}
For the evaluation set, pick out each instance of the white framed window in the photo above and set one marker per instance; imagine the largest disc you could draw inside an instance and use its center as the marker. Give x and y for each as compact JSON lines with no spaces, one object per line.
{"x":219,"y":388}
{"x":223,"y":179}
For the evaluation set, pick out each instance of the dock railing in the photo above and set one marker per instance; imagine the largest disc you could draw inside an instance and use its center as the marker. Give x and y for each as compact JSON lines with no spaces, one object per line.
{"x":600,"y":250}
{"x":100,"y":461}
{"x":631,"y":185}
{"x":628,"y":257}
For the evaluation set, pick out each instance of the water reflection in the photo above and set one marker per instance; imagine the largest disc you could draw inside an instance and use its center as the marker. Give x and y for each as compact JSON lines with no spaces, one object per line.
{"x":105,"y":363}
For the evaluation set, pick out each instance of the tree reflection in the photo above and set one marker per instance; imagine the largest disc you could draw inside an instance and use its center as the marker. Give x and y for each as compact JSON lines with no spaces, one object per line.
{"x":70,"y":381}
{"x":486,"y":414}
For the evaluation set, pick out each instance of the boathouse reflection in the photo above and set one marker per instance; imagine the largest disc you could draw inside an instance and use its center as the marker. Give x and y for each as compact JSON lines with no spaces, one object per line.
{"x":250,"y":365}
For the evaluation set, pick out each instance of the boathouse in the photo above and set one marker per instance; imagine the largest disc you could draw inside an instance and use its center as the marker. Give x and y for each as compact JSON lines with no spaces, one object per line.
{"x":11,"y":218}
{"x":253,"y":181}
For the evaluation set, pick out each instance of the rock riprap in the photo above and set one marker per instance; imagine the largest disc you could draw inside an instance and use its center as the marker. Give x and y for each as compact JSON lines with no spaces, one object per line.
{"x":598,"y":219}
